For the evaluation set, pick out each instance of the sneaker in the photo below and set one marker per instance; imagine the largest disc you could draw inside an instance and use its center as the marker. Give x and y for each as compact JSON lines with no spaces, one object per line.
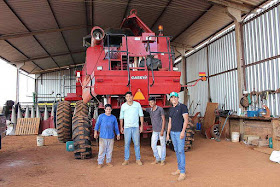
{"x":139,"y":162}
{"x":155,"y":162}
{"x":177,"y":172}
{"x":110,"y":165}
{"x":125,"y":163}
{"x":162,"y":163}
{"x":99,"y":166}
{"x":181,"y":177}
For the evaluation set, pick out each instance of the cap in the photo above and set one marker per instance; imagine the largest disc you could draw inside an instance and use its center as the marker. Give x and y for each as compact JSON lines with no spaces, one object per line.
{"x":174,"y":94}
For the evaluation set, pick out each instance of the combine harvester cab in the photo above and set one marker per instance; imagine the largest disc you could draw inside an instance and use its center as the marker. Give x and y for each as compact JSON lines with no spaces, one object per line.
{"x":131,"y":58}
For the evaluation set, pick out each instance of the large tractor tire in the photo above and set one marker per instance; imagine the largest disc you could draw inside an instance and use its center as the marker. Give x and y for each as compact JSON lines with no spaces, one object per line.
{"x":63,"y":121}
{"x":81,"y":132}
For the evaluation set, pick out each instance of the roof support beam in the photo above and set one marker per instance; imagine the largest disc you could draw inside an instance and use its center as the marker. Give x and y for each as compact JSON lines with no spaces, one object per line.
{"x":45,"y":31}
{"x":184,"y":30}
{"x":168,"y":3}
{"x":60,"y":32}
{"x":49,"y":56}
{"x":92,"y":14}
{"x":86,"y":11}
{"x":238,"y":6}
{"x":12,"y":10}
{"x":56,"y":69}
{"x":126,"y":9}
{"x":14,"y":62}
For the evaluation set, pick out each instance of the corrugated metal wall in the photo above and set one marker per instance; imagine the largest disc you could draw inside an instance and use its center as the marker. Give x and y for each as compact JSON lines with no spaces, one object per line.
{"x":262,"y":50}
{"x":262,"y":59}
{"x":223,"y":76}
{"x":199,"y":93}
{"x":60,"y":82}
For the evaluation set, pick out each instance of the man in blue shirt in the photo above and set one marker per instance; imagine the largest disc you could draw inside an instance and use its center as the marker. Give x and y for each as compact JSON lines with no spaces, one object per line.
{"x":129,"y":124}
{"x":107,"y":123}
{"x":178,"y":121}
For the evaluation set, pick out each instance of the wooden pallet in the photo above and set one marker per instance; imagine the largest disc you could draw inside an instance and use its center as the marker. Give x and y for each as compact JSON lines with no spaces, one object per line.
{"x":27,"y":126}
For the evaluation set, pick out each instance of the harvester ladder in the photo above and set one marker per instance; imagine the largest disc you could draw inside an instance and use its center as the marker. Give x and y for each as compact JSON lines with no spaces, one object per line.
{"x":125,"y":51}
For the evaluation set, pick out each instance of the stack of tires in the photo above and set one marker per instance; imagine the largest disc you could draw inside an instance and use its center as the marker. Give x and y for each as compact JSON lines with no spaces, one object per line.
{"x":189,"y":135}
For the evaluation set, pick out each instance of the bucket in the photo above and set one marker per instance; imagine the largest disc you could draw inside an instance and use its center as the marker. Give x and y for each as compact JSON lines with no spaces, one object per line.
{"x":159,"y":150}
{"x":70,"y":146}
{"x":235,"y":136}
{"x":40,"y":140}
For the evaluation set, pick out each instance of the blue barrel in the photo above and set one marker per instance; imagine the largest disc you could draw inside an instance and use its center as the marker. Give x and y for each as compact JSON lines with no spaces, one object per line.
{"x":70,"y":146}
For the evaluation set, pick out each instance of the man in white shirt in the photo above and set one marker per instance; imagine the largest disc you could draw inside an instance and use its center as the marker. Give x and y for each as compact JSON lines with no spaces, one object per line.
{"x":129,"y":122}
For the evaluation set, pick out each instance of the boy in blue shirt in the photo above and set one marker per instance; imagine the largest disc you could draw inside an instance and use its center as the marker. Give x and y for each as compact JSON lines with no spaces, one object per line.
{"x":106,"y":124}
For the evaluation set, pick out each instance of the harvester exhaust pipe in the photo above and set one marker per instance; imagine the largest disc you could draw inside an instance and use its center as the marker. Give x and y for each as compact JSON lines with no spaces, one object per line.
{"x":97,"y":35}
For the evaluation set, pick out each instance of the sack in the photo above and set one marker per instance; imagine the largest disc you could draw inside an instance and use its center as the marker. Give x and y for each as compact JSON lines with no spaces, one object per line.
{"x":275,"y":156}
{"x":49,"y":132}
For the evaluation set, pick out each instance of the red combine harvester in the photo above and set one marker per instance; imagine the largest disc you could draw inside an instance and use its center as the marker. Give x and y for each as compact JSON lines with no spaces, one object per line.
{"x":132,"y":58}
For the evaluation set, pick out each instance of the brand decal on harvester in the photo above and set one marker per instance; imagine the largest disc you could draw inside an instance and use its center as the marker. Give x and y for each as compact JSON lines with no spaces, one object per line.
{"x":139,"y":77}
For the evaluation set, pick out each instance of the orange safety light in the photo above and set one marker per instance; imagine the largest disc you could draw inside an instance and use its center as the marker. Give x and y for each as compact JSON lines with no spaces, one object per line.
{"x":160,"y":28}
{"x":138,"y":95}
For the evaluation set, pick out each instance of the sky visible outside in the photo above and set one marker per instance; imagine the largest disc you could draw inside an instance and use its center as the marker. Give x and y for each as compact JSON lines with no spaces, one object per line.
{"x":8,"y":75}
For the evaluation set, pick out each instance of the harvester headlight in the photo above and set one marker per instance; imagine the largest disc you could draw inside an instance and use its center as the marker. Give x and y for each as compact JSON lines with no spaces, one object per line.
{"x":175,"y":69}
{"x":99,"y":67}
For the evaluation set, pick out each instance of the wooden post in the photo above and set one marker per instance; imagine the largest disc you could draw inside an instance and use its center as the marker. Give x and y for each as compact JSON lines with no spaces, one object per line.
{"x":236,"y":16}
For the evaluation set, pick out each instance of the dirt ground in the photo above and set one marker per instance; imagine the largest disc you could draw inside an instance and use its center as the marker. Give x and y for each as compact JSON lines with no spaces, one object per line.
{"x":209,"y":163}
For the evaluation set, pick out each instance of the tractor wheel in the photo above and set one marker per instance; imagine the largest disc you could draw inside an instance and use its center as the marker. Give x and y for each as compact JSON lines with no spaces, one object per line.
{"x":63,"y":121}
{"x":81,"y":109}
{"x":81,"y":132}
{"x":189,"y":136}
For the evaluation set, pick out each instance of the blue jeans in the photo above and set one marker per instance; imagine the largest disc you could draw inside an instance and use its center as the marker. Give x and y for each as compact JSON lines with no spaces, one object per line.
{"x":155,"y":137}
{"x":132,"y":132}
{"x":179,"y":145}
{"x":105,"y":148}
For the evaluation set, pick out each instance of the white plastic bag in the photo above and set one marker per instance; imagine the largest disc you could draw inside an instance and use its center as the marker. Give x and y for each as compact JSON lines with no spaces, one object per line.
{"x":275,"y":156}
{"x":49,"y":132}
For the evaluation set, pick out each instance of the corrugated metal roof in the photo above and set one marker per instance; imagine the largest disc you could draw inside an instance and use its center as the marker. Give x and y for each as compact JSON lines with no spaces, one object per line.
{"x":47,"y":34}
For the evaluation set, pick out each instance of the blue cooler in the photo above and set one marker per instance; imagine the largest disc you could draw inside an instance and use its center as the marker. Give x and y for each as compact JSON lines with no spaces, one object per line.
{"x":70,"y":146}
